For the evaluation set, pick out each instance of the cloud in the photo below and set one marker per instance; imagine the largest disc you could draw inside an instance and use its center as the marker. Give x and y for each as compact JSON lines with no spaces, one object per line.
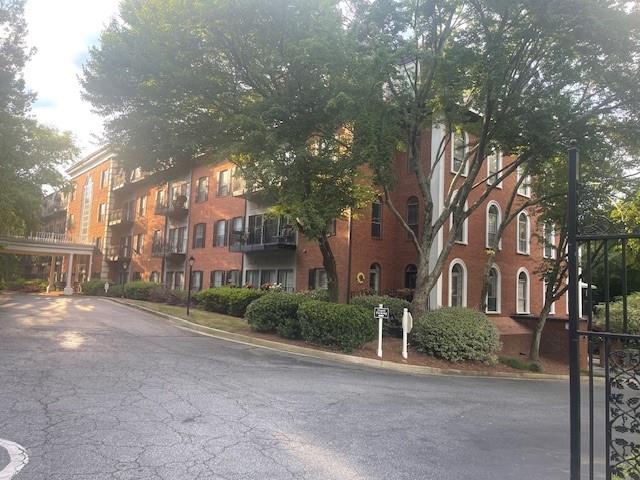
{"x":62,"y":32}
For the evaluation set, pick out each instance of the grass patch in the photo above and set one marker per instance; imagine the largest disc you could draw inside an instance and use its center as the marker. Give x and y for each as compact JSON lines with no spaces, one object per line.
{"x":519,"y":364}
{"x":201,"y":317}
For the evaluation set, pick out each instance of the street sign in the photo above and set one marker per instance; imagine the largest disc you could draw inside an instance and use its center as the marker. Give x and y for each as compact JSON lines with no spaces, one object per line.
{"x":381,"y":312}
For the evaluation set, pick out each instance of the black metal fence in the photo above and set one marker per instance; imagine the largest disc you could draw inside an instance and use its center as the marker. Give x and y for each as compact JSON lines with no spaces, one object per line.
{"x":613,"y":351}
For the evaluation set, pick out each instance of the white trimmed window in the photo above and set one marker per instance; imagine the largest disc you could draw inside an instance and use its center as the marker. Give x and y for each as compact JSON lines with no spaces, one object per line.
{"x":524,"y":188}
{"x":549,"y":236}
{"x":459,"y":153}
{"x":494,"y":218}
{"x":457,"y":283}
{"x":462,"y":235}
{"x":545,"y":286}
{"x":522,"y":291}
{"x":494,"y":291}
{"x":523,"y":233}
{"x":494,"y":165}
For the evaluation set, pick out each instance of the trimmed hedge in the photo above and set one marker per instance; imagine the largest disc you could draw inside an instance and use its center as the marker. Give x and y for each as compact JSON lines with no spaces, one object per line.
{"x":228,"y":300}
{"x":276,"y":312}
{"x":93,"y":287}
{"x":457,"y":334}
{"x":396,"y":308}
{"x":139,"y":290}
{"x":29,"y":286}
{"x":321,"y":294}
{"x":333,"y":324}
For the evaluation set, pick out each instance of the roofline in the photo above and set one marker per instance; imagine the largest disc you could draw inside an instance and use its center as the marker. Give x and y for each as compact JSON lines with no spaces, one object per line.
{"x":91,"y":160}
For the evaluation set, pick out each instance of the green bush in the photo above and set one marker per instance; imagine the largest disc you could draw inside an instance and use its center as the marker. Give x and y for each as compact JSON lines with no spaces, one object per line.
{"x":35,"y":285}
{"x":276,"y":312}
{"x":616,"y":315}
{"x":115,"y":290}
{"x":396,"y":306}
{"x":228,"y":300}
{"x":520,"y":364}
{"x":321,"y":294}
{"x":139,"y":290}
{"x":333,"y":324}
{"x":176,"y":297}
{"x":457,"y":334}
{"x":16,"y":285}
{"x":93,"y":287}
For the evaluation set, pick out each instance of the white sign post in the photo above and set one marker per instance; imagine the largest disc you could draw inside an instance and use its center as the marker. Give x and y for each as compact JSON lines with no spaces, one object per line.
{"x":106,"y":288}
{"x":407,"y":325}
{"x":381,"y":313}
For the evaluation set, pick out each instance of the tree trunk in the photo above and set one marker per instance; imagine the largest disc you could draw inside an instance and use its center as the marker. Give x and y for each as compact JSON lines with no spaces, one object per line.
{"x":534,"y":350}
{"x":329,"y":263}
{"x":424,"y":285}
{"x":491,"y":256}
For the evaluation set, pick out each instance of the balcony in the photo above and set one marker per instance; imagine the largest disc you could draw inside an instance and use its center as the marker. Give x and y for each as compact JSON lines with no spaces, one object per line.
{"x":263,"y":240}
{"x":157,"y":249}
{"x":178,"y":208}
{"x":118,"y":181}
{"x":121,"y":218}
{"x":118,"y":253}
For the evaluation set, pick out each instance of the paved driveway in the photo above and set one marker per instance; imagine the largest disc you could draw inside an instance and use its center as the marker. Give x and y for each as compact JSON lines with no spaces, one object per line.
{"x":96,"y":390}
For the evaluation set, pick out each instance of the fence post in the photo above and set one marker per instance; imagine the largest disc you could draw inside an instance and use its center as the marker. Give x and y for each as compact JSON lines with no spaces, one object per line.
{"x":574,"y":345}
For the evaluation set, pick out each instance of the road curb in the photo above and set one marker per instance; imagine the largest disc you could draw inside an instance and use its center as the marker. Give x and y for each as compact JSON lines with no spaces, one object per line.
{"x":337,"y":357}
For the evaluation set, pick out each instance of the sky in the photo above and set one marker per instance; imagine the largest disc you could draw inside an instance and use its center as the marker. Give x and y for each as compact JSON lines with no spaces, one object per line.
{"x":62,"y":32}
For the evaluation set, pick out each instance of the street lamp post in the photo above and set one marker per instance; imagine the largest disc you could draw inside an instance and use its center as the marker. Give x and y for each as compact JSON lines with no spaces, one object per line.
{"x":125,"y":265}
{"x":191,"y":262}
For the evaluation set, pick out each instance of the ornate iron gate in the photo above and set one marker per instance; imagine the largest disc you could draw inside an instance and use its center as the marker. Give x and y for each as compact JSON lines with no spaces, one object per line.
{"x":613,"y":444}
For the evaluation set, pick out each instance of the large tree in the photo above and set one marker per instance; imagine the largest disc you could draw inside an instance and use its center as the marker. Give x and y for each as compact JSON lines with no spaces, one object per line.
{"x":30,"y":153}
{"x":502,"y":71}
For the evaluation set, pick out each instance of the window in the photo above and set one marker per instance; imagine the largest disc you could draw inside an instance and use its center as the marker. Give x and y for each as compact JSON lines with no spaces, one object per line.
{"x":410,"y":276}
{"x":202,"y":195}
{"x":170,"y":280}
{"x":102,"y":212}
{"x":318,"y":279}
{"x":104,"y":178}
{"x":494,"y":165}
{"x":252,"y":278}
{"x":217,"y":278}
{"x":142,"y":206}
{"x":98,"y":244}
{"x":376,"y":218}
{"x":412,"y":215}
{"x":374,"y":277}
{"x":493,"y":291}
{"x":85,"y":213}
{"x":493,"y":223}
{"x":220,"y":236}
{"x":237,"y":231}
{"x":179,"y":281}
{"x":286,"y":280}
{"x":223,"y":183}
{"x":154,"y":277}
{"x":139,"y":245}
{"x":458,"y":160}
{"x":552,"y":310}
{"x":331,"y":228}
{"x":196,"y":280}
{"x":549,"y":235}
{"x":457,"y":284}
{"x":178,"y":240}
{"x":136,"y":174}
{"x":523,"y":233}
{"x":522,"y":291}
{"x":233,"y":278}
{"x":268,"y":277}
{"x":199,"y":232}
{"x":160,"y":198}
{"x":525,"y":186}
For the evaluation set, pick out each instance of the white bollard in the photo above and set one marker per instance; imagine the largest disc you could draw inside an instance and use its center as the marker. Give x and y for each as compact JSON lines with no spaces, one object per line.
{"x":407,"y":325}
{"x":380,"y":333}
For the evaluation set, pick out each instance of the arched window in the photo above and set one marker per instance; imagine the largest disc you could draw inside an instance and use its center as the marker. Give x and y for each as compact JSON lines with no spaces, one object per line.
{"x":524,"y":188}
{"x":493,"y":222}
{"x":374,"y":277}
{"x":523,"y":233}
{"x":459,"y":153}
{"x":376,"y":218}
{"x":410,"y":275}
{"x":494,"y":291}
{"x":412,"y":214}
{"x":522,"y":291}
{"x":458,"y":284}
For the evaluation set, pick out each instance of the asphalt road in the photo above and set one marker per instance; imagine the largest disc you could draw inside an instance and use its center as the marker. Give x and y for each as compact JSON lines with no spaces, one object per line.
{"x":95,"y":390}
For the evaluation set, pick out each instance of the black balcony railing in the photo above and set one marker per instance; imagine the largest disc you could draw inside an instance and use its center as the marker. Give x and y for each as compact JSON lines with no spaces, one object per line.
{"x":176,"y":208}
{"x":118,"y":253}
{"x":121,"y":216}
{"x":263,"y":240}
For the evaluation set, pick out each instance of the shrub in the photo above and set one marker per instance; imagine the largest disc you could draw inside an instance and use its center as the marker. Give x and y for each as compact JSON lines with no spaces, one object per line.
{"x":616,"y":315}
{"x":457,"y":334}
{"x":159,"y":294}
{"x":520,"y":364}
{"x":16,"y":284}
{"x":139,"y":290}
{"x":93,"y":287}
{"x":35,"y":285}
{"x":333,"y":324}
{"x":396,"y":308}
{"x":232,"y":301}
{"x":115,"y":290}
{"x":321,"y":294}
{"x":176,"y":297}
{"x":276,"y":312}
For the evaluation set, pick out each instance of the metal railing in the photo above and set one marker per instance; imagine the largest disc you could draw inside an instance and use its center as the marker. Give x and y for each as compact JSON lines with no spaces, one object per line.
{"x":44,"y":237}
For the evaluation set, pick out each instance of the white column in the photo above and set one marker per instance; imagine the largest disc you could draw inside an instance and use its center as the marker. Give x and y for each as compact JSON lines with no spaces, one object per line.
{"x":68,"y":290}
{"x":89,"y":267}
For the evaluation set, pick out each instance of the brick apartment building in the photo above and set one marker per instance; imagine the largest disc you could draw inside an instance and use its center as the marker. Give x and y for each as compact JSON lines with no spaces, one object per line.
{"x":152,"y":224}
